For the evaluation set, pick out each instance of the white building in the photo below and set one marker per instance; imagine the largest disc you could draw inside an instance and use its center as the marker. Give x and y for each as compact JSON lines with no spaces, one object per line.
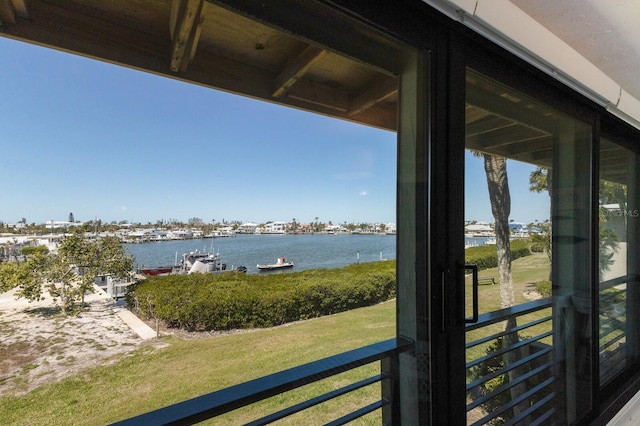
{"x":274,"y":228}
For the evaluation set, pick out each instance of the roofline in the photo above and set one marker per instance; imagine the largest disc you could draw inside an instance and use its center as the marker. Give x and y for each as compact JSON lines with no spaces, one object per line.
{"x":506,"y":25}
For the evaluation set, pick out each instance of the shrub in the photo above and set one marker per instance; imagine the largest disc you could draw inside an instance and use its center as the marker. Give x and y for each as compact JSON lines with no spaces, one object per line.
{"x":544,"y":288}
{"x":540,"y":243}
{"x":492,"y":391}
{"x":31,"y":250}
{"x":486,"y":257}
{"x":234,"y":300}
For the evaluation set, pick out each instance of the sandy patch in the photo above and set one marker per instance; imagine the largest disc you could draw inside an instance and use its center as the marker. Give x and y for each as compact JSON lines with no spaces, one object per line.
{"x":38,"y":345}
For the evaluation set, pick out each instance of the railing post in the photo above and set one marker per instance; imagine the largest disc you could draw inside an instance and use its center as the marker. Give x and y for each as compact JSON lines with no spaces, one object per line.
{"x":390,"y":410}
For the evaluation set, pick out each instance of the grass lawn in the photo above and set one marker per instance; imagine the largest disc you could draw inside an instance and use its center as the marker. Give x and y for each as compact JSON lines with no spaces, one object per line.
{"x":189,"y":368}
{"x":526,"y":272}
{"x":151,"y":379}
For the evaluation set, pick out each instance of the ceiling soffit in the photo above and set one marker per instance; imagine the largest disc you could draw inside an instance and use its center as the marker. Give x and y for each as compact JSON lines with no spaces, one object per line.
{"x":605,"y":33}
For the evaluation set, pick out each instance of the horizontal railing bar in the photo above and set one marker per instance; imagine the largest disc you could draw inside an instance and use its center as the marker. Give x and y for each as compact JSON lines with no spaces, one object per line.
{"x":507,"y":349}
{"x":613,"y":336}
{"x":537,"y":370}
{"x":512,"y":403}
{"x":543,"y":418}
{"x":315,"y":401}
{"x":529,"y":411}
{"x":228,"y":399}
{"x":607,"y":297}
{"x":505,"y":332}
{"x":621,"y":347}
{"x":516,"y":364}
{"x":616,"y":281}
{"x":359,"y":413}
{"x":612,"y":333}
{"x":497,"y":391}
{"x":611,"y":342}
{"x":612,"y":323}
{"x":514,"y":311}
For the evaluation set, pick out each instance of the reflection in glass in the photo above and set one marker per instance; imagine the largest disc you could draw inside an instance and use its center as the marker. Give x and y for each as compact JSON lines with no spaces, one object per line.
{"x":615,"y":214}
{"x":527,"y":184}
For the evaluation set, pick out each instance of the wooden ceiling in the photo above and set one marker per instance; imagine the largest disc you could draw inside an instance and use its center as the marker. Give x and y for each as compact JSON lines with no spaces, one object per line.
{"x":295,"y":53}
{"x":283,"y":54}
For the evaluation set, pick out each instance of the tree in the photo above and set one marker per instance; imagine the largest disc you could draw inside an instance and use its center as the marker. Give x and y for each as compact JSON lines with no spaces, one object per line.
{"x":498,"y":184}
{"x":70,"y":273}
{"x":195,"y":221}
{"x":539,"y":181}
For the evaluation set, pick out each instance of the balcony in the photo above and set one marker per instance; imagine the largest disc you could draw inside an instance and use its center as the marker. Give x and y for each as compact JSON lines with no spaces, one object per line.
{"x":238,"y":396}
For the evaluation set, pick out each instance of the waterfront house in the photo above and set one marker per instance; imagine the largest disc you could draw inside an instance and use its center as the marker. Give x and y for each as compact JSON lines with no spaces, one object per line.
{"x":550,"y":84}
{"x":247,"y":228}
{"x":274,"y":228}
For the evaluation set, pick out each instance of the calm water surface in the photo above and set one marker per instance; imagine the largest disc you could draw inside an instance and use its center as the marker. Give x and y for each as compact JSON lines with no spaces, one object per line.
{"x":305,"y":251}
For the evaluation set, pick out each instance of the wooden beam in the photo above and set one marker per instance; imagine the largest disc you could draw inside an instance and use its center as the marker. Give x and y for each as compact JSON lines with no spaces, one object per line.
{"x":53,"y":25}
{"x":320,"y":94}
{"x":7,"y":12}
{"x":300,"y":20}
{"x":108,"y":38}
{"x":537,"y":144}
{"x":295,"y":69}
{"x":185,"y":25}
{"x":473,"y":114}
{"x":231,"y":76}
{"x":483,"y":122}
{"x":502,"y":136}
{"x":500,"y":105}
{"x":377,"y":92}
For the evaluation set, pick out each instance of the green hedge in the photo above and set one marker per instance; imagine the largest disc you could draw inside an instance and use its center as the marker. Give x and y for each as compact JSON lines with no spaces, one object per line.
{"x":486,"y":257}
{"x":234,"y":300}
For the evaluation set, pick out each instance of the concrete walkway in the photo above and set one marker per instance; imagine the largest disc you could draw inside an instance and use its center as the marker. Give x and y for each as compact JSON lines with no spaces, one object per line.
{"x":135,"y":323}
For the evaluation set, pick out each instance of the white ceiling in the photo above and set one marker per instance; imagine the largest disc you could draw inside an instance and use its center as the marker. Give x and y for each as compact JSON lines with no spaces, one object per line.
{"x":605,"y":32}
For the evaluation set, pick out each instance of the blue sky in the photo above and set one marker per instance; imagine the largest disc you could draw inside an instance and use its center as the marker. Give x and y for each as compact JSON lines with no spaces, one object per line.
{"x":112,"y":143}
{"x":526,"y":206}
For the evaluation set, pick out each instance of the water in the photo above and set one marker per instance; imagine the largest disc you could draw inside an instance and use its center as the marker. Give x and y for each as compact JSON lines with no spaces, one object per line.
{"x":305,"y":251}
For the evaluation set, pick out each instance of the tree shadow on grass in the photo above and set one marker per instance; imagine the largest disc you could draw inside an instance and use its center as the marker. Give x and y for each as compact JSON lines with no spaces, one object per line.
{"x":48,"y":311}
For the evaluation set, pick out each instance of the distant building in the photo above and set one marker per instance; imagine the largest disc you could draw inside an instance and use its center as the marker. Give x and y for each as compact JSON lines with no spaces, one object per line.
{"x":53,"y":224}
{"x":274,"y":228}
{"x":247,"y":228}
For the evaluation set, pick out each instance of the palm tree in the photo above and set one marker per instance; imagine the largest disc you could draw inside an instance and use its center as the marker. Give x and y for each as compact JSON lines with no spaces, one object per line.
{"x":540,"y":180}
{"x":498,"y":184}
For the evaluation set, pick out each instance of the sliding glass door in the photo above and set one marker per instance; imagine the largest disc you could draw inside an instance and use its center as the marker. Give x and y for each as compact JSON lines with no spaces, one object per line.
{"x":527,"y":227}
{"x":618,"y":283}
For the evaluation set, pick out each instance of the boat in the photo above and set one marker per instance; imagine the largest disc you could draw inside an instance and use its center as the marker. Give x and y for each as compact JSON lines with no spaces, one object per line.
{"x":159,"y":271}
{"x":193,"y":262}
{"x":200,"y":262}
{"x":281,"y":263}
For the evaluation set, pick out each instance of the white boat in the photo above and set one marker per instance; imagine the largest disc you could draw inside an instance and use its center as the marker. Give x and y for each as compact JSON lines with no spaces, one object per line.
{"x":281,"y":263}
{"x":193,"y":262}
{"x":201,"y":262}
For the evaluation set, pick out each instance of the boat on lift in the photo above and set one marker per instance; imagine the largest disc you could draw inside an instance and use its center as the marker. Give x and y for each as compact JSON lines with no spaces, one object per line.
{"x":193,"y":262}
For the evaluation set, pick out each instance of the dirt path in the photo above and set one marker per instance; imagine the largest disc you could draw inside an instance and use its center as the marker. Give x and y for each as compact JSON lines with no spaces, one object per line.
{"x":38,"y":345}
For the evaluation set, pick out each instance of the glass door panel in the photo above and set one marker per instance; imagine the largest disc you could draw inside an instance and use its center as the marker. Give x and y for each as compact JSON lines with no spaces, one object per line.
{"x":617,"y":216}
{"x":527,"y":208}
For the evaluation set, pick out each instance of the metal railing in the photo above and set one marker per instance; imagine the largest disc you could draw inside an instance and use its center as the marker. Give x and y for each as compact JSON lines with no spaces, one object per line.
{"x":531,"y":361}
{"x":612,"y":335}
{"x":219,"y":402}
